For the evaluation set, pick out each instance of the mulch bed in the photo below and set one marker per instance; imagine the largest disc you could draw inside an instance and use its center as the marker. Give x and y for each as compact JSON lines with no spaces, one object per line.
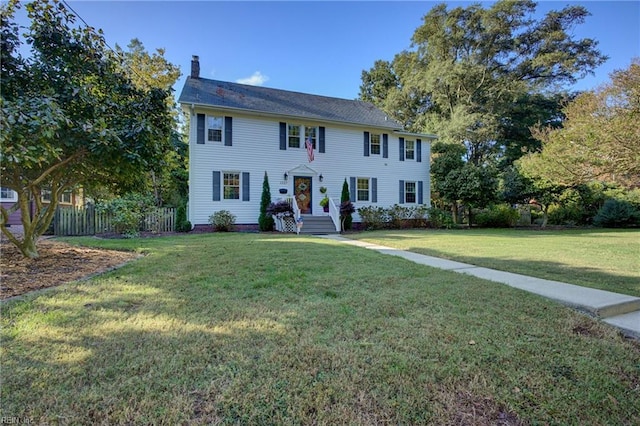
{"x":58,"y":263}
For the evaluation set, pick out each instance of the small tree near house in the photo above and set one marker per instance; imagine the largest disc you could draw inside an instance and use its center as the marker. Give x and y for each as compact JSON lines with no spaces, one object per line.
{"x":348,"y":218}
{"x":265,"y":221}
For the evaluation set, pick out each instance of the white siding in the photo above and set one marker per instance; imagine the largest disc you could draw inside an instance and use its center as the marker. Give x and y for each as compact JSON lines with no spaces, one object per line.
{"x":256,"y":149}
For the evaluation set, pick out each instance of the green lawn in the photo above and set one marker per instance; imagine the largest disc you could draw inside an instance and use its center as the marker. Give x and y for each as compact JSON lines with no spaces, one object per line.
{"x":604,"y":259}
{"x":280,"y":329}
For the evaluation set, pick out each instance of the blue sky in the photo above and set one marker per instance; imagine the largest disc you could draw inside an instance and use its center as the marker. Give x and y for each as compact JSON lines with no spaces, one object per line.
{"x":316,"y":47}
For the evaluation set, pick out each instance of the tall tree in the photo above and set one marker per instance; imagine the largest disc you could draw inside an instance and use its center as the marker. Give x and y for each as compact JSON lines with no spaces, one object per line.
{"x":265,"y":220}
{"x":600,"y":138}
{"x":469,"y":65}
{"x":69,"y":116}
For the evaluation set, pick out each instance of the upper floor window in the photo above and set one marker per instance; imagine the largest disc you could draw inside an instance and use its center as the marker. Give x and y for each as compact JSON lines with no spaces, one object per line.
{"x":66,"y":197}
{"x":362,"y":189}
{"x":409,"y":192}
{"x":294,"y":135}
{"x":410,"y":150}
{"x":375,"y":143}
{"x":310,"y":134}
{"x":231,"y":186}
{"x":45,"y":195}
{"x":214,"y":128}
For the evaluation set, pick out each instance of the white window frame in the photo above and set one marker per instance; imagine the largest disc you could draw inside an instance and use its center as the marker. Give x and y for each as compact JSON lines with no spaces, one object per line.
{"x":407,"y":185}
{"x":211,"y":122}
{"x":313,"y":132}
{"x":361,"y":191}
{"x":293,"y":137}
{"x":7,"y":194}
{"x":408,"y":150}
{"x":66,"y":197}
{"x":226,"y":184}
{"x":378,"y":144}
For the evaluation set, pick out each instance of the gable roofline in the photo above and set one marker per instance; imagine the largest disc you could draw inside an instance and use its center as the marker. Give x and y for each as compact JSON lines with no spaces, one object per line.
{"x":263,"y":101}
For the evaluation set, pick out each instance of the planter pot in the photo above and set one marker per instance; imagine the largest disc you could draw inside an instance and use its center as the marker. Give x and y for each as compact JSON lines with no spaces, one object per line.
{"x":325,"y":209}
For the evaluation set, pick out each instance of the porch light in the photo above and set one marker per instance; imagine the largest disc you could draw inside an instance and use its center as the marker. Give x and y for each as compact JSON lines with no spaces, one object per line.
{"x":286,"y":176}
{"x":320,"y":177}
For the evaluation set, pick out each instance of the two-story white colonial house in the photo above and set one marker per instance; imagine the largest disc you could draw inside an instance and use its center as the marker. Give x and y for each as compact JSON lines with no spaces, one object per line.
{"x":238,"y":132}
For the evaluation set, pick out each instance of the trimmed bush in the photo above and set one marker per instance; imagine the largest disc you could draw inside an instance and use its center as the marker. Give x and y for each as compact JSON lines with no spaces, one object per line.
{"x":500,"y":216}
{"x":373,"y":217}
{"x":127,"y":212}
{"x":222,"y":221}
{"x":617,"y":213}
{"x":265,"y":220}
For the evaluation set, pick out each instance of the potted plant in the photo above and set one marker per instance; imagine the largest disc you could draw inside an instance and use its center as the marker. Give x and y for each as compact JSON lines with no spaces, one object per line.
{"x":324,"y":203}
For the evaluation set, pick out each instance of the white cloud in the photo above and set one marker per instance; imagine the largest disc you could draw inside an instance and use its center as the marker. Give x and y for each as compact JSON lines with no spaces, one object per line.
{"x":257,"y":79}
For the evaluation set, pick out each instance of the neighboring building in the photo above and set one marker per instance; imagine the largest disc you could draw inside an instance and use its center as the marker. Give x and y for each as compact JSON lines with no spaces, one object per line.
{"x":239,"y":132}
{"x":9,"y":197}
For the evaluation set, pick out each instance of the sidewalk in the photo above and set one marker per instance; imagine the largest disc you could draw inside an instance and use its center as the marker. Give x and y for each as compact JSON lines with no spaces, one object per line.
{"x":618,"y":310}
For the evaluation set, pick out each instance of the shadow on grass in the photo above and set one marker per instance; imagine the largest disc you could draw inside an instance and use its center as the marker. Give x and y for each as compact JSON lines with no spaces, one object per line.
{"x":267,"y":329}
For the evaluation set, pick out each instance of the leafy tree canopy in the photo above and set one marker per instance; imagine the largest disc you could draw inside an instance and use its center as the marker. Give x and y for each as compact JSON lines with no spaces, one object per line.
{"x":600,"y":138}
{"x":469,"y":66}
{"x":70,"y":116}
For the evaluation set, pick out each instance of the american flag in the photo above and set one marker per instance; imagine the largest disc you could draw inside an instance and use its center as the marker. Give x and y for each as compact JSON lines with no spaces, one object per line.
{"x":309,"y":146}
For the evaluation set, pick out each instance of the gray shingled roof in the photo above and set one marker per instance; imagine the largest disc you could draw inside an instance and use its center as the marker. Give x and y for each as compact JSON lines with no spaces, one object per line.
{"x":223,"y":94}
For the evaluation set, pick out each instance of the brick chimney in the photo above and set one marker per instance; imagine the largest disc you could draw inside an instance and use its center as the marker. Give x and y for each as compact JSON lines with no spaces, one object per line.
{"x":195,"y":66}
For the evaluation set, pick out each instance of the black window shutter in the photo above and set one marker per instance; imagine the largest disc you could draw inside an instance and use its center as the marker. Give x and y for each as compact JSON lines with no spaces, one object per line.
{"x":418,"y":150}
{"x":228,"y":131}
{"x":216,"y":186}
{"x":352,"y":189}
{"x":245,"y":186}
{"x":401,"y":192}
{"x":385,"y":145}
{"x":420,"y":200}
{"x":200,"y":134}
{"x":321,"y":147}
{"x":283,"y":136}
{"x":366,"y":144}
{"x":374,"y":190}
{"x":401,"y":144}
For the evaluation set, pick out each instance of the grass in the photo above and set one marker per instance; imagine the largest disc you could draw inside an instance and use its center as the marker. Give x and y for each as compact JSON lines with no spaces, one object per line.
{"x":604,"y":259}
{"x":278,"y":329}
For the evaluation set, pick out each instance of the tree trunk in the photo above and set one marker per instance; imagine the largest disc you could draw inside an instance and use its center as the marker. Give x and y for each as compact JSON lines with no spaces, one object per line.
{"x":454,"y":212}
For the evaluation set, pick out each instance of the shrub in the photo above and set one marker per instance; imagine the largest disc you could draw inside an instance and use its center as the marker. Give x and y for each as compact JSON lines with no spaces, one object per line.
{"x":440,"y":218}
{"x":500,"y":216}
{"x":421,"y":216}
{"x":564,"y":215}
{"x":373,"y":217}
{"x":344,"y":197}
{"x":265,"y":221}
{"x":616,"y":213}
{"x":222,"y":221}
{"x":127,"y":212}
{"x":346,"y":210}
{"x":182,"y":224}
{"x":399,"y":216}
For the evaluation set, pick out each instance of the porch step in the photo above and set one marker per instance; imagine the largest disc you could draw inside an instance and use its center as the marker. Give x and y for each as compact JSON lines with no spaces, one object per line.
{"x":318,"y":225}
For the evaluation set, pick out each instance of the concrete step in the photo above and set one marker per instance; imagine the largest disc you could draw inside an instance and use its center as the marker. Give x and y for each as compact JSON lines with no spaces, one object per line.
{"x":629,"y":323}
{"x":317,"y":225}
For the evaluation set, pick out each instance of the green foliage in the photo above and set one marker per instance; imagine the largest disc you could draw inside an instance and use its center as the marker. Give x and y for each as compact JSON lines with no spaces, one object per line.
{"x":566,"y":215}
{"x":616,"y":214}
{"x":182,"y":224}
{"x":346,"y":210}
{"x":324,"y":202}
{"x":127,"y":212}
{"x":598,"y":140}
{"x":498,"y":216}
{"x":439,"y":218}
{"x":265,"y":221}
{"x":373,"y":217}
{"x":70,"y":115}
{"x":222,"y":221}
{"x":347,"y":219}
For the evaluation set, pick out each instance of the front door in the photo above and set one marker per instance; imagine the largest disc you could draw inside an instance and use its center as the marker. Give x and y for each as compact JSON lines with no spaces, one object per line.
{"x":302,"y":192}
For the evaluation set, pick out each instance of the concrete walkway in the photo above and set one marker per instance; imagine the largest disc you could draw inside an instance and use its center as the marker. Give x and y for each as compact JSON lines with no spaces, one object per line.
{"x":618,"y":310}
